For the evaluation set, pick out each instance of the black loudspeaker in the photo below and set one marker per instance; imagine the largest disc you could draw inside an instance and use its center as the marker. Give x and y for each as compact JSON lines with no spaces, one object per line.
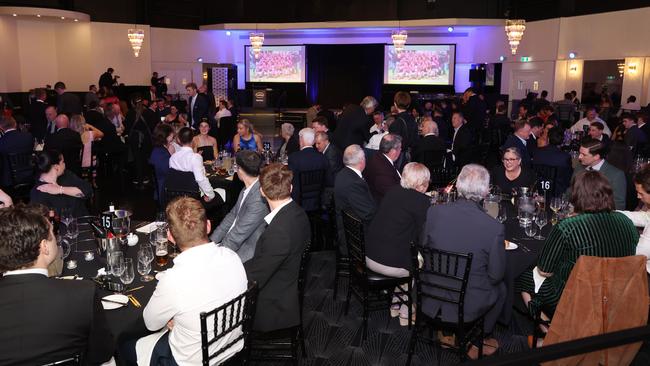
{"x":477,"y":75}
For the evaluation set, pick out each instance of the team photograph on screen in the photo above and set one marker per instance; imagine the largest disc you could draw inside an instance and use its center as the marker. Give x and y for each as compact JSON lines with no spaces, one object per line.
{"x":276,"y":64}
{"x":419,"y":65}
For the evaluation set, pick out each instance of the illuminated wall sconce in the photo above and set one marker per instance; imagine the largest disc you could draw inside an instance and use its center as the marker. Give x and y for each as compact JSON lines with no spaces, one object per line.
{"x":205,"y":75}
{"x":502,"y":58}
{"x":572,"y":55}
{"x":573,"y":68}
{"x":199,"y":59}
{"x":631,"y":68}
{"x":450,"y":29}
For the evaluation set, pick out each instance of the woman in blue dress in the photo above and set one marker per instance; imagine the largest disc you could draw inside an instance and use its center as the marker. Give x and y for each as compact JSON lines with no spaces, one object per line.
{"x":246,"y":138}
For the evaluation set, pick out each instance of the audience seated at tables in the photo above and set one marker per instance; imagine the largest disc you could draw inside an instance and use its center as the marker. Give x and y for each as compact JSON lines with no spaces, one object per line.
{"x":58,"y":188}
{"x":381,"y":172}
{"x":222,"y":112}
{"x":520,"y":140}
{"x":243,"y":225}
{"x":378,"y":123}
{"x":446,"y":228}
{"x":594,"y":229}
{"x":462,"y":143}
{"x":186,"y":160}
{"x":641,"y":219}
{"x":162,"y":151}
{"x":542,"y":140}
{"x":591,"y":116}
{"x":44,"y":320}
{"x":351,"y":192}
{"x":430,"y":149}
{"x":501,"y":122}
{"x":375,"y":138}
{"x":290,"y":144}
{"x":205,"y":144}
{"x":12,"y":142}
{"x":67,"y":141}
{"x":246,"y":138}
{"x":276,"y":263}
{"x":512,"y":175}
{"x":306,"y":160}
{"x":592,"y":158}
{"x":618,"y":154}
{"x":397,"y":224}
{"x":204,"y":277}
{"x":634,"y":138}
{"x":596,"y":132}
{"x":320,"y":124}
{"x":551,"y":155}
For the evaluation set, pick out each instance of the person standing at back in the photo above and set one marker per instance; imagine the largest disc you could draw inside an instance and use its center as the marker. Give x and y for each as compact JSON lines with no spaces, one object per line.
{"x":405,"y":126}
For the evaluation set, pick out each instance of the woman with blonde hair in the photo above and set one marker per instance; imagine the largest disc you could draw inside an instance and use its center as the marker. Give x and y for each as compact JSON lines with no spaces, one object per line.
{"x":246,"y":138}
{"x":88,"y":134}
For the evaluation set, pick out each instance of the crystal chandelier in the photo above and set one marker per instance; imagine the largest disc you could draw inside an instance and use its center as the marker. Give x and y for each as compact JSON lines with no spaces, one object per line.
{"x":515,"y":31}
{"x":257,"y":40}
{"x":136,"y":37}
{"x":399,"y":40}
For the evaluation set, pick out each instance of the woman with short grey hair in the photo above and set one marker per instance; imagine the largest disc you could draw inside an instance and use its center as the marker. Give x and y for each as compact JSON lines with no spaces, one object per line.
{"x":290,"y":143}
{"x":415,"y":176}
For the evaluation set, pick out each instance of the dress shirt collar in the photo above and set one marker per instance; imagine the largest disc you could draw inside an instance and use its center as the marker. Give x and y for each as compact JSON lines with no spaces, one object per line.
{"x":185,"y":148}
{"x":326,"y":147}
{"x":598,"y":166}
{"x":522,"y":140}
{"x":356,"y":171}
{"x":9,"y":130}
{"x":391,"y":162}
{"x":198,"y":251}
{"x":429,"y":134}
{"x":41,"y":271}
{"x":268,"y":218}
{"x":306,"y":147}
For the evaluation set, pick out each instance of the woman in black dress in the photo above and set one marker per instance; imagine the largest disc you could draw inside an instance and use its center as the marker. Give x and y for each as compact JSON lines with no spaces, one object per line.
{"x":511,"y":174}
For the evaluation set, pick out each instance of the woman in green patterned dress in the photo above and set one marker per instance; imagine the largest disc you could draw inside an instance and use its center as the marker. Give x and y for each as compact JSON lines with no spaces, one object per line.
{"x":595,"y":229}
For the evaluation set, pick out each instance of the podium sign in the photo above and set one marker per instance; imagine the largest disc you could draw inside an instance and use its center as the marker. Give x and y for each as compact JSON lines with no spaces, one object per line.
{"x":260,"y":98}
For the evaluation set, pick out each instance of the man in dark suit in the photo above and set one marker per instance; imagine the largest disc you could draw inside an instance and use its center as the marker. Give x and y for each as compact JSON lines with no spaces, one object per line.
{"x":50,"y":115}
{"x":197,"y":106}
{"x":44,"y":320}
{"x":446,"y":229}
{"x":462,"y":143}
{"x":381,"y":172}
{"x":276,"y":263}
{"x":592,"y":157}
{"x":107,"y":80}
{"x":333,"y":156}
{"x":13,"y":141}
{"x":519,"y":139}
{"x":641,"y":121}
{"x":430,"y":149}
{"x":320,"y":124}
{"x":551,"y":155}
{"x":68,"y":142}
{"x":597,"y":132}
{"x":404,"y":124}
{"x":536,"y":128}
{"x":351,"y":192}
{"x":352,"y":127}
{"x":67,"y":103}
{"x":35,"y":115}
{"x":306,"y":160}
{"x":634,"y":138}
{"x":474,"y":110}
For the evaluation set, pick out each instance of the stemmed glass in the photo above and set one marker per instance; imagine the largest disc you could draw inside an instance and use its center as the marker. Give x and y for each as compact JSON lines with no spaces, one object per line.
{"x":145,"y":257}
{"x":530,"y":230}
{"x":540,"y":220}
{"x":66,"y":217}
{"x":503,"y":214}
{"x":127,"y":275}
{"x":72,"y":229}
{"x":556,"y":205}
{"x":116,"y":263}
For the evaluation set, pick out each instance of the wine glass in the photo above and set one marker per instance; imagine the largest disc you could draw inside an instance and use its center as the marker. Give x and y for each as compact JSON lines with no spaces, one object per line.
{"x":72,"y":229}
{"x":116,"y":263}
{"x":530,"y":231}
{"x":66,"y":247}
{"x":541,"y":221}
{"x":503,"y":213}
{"x":144,"y":264}
{"x":127,"y":275}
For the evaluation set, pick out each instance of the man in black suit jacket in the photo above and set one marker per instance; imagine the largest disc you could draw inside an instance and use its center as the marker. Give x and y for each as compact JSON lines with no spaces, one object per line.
{"x":429,"y":149}
{"x":306,"y":160}
{"x":35,"y":115}
{"x":44,"y":320}
{"x":536,"y":128}
{"x":67,"y":103}
{"x":519,"y":139}
{"x":276,"y":263}
{"x":474,"y":110}
{"x":68,"y":142}
{"x":351,"y":192}
{"x":634,"y":138}
{"x":352,"y":128}
{"x":381,"y":172}
{"x":333,"y":156}
{"x":462,"y":143}
{"x":404,"y":124}
{"x":107,"y":80}
{"x":197,"y":106}
{"x":597,"y":132}
{"x":13,"y":141}
{"x":551,"y":155}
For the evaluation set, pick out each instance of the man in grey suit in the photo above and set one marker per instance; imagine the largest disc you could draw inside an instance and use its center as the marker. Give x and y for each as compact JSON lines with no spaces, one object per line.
{"x":592,"y":157}
{"x":244,"y":224}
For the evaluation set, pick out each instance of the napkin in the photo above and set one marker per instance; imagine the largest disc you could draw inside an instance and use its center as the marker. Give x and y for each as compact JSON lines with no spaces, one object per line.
{"x":221,"y":192}
{"x":146,"y":229}
{"x":101,"y":272}
{"x":538,"y":278}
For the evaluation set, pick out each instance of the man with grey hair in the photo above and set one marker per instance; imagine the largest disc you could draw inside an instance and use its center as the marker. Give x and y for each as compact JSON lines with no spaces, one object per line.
{"x":351,"y":192}
{"x":381,"y":172}
{"x":307,"y":161}
{"x":429,"y":150}
{"x":446,"y":228}
{"x":369,"y":104}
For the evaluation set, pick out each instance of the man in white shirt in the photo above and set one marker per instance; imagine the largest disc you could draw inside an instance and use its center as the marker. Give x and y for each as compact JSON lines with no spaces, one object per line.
{"x":186,"y":160}
{"x":204,"y":277}
{"x":592,"y":116}
{"x":222,"y":112}
{"x":630,"y":106}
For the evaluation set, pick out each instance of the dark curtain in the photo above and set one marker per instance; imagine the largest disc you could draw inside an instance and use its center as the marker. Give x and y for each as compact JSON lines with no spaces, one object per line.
{"x":340,"y":74}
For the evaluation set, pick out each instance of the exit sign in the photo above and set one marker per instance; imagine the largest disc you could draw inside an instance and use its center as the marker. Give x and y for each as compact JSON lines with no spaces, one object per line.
{"x":525,"y":59}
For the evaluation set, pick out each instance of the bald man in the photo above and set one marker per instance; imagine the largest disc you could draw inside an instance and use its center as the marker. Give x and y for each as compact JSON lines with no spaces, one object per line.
{"x":67,"y":141}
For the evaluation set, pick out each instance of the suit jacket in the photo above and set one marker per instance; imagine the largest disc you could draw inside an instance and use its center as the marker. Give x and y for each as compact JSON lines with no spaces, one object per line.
{"x":249,"y":224}
{"x":381,"y":175}
{"x":351,"y":193}
{"x":352,"y":128}
{"x":531,"y":145}
{"x":514,"y":141}
{"x":13,"y":142}
{"x":275,"y":267}
{"x":35,"y":115}
{"x":430,"y":151}
{"x":616,"y":179}
{"x":111,"y":142}
{"x":463,"y":146}
{"x":45,"y":320}
{"x":304,"y":160}
{"x":446,"y":229}
{"x":635,"y":138}
{"x":405,"y":126}
{"x":69,"y":104}
{"x":334,"y":163}
{"x":68,"y":142}
{"x":474,"y":111}
{"x":200,"y":110}
{"x":552,"y":156}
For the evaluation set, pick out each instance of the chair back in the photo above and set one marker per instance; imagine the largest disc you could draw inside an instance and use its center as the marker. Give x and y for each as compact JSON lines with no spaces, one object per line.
{"x":207,"y":152}
{"x":311,"y":187}
{"x":179,"y":184}
{"x":73,"y":360}
{"x":354,"y":239}
{"x":546,"y":177}
{"x":442,"y":176}
{"x":72,"y":157}
{"x":442,"y":277}
{"x":237,"y":313}
{"x":21,"y":166}
{"x":227,"y":130}
{"x":433,"y":159}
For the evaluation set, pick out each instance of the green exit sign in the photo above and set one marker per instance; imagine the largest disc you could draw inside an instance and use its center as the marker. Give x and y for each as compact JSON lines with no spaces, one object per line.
{"x":610,"y":77}
{"x":525,"y":59}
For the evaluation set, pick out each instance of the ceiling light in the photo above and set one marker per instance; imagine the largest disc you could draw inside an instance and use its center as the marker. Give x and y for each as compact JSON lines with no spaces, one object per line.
{"x":572,"y":55}
{"x":76,"y":20}
{"x":38,"y":15}
{"x":136,"y":37}
{"x":62,"y":18}
{"x":502,"y":58}
{"x":199,"y":59}
{"x":14,"y":14}
{"x":450,"y":29}
{"x":515,"y":32}
{"x":399,"y":39}
{"x":257,"y":40}
{"x":228,"y":33}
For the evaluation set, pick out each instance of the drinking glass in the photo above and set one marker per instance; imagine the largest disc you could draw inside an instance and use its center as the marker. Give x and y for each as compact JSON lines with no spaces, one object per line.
{"x":116,"y":263}
{"x":127,"y":275}
{"x":147,"y":252}
{"x":72,"y":229}
{"x":541,"y":221}
{"x":525,"y":218}
{"x":66,"y":247}
{"x":144,"y":265}
{"x":530,"y":231}
{"x":153,"y":234}
{"x":161,"y":253}
{"x":66,"y":216}
{"x":503,"y":213}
